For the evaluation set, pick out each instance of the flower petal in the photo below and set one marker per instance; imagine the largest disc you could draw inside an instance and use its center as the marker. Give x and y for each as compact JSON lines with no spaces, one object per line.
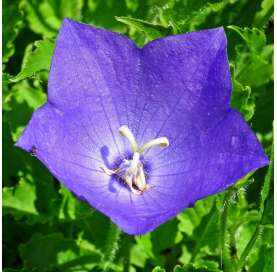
{"x":178,"y":87}
{"x":184,"y":75}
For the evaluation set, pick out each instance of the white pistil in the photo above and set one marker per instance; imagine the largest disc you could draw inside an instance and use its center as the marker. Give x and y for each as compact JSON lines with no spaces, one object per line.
{"x":126,"y":132}
{"x":162,"y":142}
{"x":131,"y":171}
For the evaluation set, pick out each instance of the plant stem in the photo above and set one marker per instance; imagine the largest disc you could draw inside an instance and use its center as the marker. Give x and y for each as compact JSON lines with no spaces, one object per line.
{"x":112,"y":246}
{"x":225,"y":258}
{"x":249,"y":246}
{"x":259,"y":227}
{"x":126,"y":251}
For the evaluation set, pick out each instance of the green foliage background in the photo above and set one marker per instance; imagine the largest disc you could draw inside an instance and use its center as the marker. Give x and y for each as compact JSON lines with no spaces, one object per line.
{"x":46,"y":229}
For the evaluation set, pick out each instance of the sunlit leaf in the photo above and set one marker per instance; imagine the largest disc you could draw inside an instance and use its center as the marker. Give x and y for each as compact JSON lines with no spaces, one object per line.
{"x":20,"y":200}
{"x":254,"y":37}
{"x":158,"y":269}
{"x":207,"y":233}
{"x":45,"y":17}
{"x":12,"y":20}
{"x":207,"y":265}
{"x":37,"y":58}
{"x":242,"y":99}
{"x":191,"y":218}
{"x":254,"y":63}
{"x":151,"y":31}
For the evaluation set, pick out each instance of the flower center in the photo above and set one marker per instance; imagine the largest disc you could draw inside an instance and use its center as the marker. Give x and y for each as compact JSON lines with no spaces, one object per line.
{"x":132,"y":171}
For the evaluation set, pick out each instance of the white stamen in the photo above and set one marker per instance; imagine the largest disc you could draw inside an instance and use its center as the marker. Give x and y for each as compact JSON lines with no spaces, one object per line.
{"x":131,"y":171}
{"x":108,"y":171}
{"x":140,"y":179}
{"x":126,"y":132}
{"x":129,"y":182}
{"x":162,"y":142}
{"x":134,"y":164}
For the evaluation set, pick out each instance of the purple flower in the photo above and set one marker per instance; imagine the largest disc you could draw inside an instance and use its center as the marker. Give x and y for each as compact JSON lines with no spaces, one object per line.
{"x":141,"y":134}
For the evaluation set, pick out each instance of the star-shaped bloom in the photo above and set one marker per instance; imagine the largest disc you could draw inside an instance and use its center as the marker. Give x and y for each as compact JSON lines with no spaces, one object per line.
{"x":141,"y":133}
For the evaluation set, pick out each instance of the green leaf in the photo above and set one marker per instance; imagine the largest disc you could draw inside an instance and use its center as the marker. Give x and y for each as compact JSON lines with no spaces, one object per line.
{"x":7,"y":95}
{"x":253,"y":69}
{"x":244,"y":233}
{"x":199,"y":266}
{"x":68,"y":205}
{"x":183,"y":16}
{"x":242,"y":99}
{"x":45,"y":17}
{"x":25,"y":98}
{"x":170,"y":231}
{"x":262,"y":120}
{"x":191,"y":218}
{"x":102,"y":13}
{"x":34,"y":198}
{"x":265,"y":260}
{"x":206,"y":234}
{"x":16,"y":270}
{"x":71,"y":208}
{"x":37,"y":58}
{"x":31,"y":94}
{"x":35,"y":184}
{"x":36,"y":14}
{"x":265,"y":239}
{"x":254,"y":38}
{"x":254,"y":59}
{"x":151,"y":31}
{"x":202,"y":15}
{"x":138,"y":257}
{"x":268,"y":216}
{"x":227,"y":12}
{"x":132,"y":4}
{"x":95,"y":227}
{"x":58,"y":251}
{"x":12,"y":22}
{"x":20,"y":200}
{"x":18,"y":119}
{"x":266,"y":12}
{"x":207,"y":265}
{"x":246,"y":180}
{"x":153,"y":244}
{"x":158,"y":269}
{"x":179,"y":268}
